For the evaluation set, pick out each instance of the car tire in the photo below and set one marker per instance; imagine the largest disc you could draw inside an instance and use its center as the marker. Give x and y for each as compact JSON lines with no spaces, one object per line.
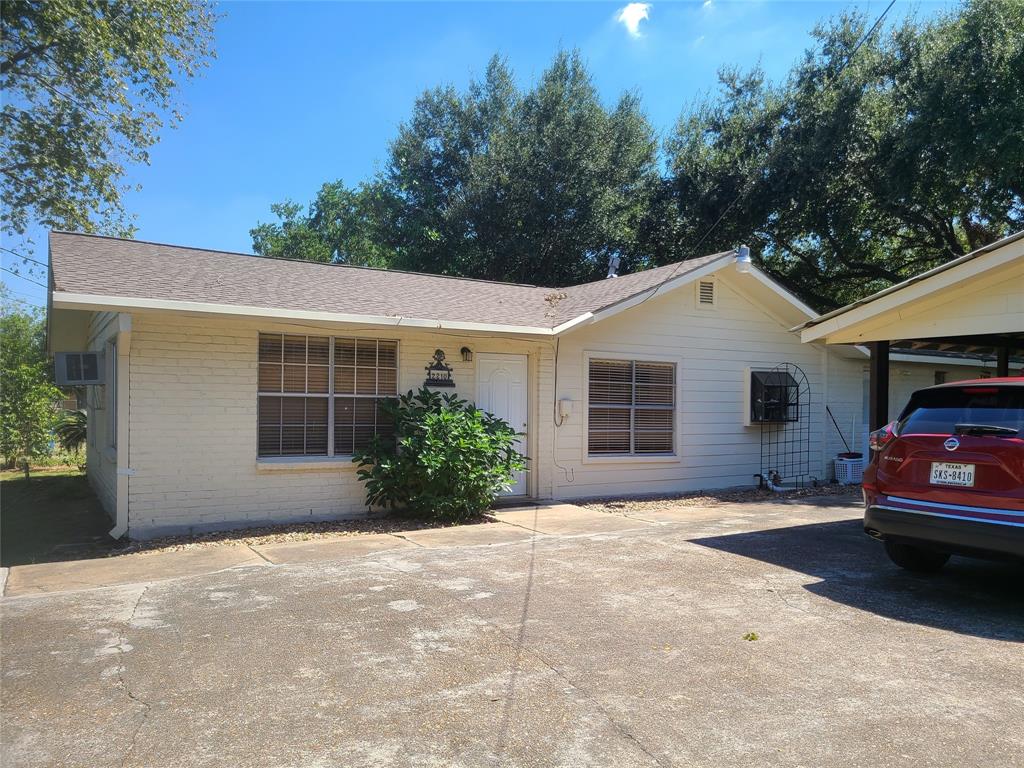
{"x":915,"y":558}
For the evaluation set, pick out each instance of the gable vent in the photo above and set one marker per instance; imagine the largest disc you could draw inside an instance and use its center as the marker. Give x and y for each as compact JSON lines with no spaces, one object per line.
{"x":706,"y":293}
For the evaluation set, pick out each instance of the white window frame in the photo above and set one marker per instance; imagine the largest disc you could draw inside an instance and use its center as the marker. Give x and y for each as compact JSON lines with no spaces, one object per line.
{"x":310,"y":460}
{"x":675,"y":457}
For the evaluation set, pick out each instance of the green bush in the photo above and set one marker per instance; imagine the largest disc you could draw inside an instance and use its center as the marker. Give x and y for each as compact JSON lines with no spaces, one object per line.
{"x":448,"y":460}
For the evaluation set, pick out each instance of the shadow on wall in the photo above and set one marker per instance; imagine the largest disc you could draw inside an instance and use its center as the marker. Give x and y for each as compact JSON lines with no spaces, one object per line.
{"x":971,"y":597}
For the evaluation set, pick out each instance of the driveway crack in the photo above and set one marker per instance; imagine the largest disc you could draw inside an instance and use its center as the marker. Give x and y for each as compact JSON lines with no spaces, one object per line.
{"x":122,"y":677}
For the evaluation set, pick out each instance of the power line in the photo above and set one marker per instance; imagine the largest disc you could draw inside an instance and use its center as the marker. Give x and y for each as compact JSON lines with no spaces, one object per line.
{"x":16,"y":300}
{"x":28,"y":279}
{"x":743,"y":186}
{"x":26,"y":258}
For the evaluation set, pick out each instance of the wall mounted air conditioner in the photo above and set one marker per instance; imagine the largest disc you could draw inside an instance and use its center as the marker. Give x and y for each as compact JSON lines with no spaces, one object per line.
{"x":770,"y":397}
{"x":78,"y":369}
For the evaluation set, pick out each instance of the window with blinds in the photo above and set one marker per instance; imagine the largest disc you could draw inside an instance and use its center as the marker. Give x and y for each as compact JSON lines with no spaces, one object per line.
{"x":631,"y":407}
{"x":321,"y":395}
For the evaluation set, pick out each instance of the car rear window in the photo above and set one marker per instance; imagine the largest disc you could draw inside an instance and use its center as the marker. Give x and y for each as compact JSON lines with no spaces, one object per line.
{"x":938,"y":411}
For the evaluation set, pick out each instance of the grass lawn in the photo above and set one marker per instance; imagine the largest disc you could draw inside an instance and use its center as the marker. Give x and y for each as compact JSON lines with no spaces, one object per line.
{"x":53,"y":515}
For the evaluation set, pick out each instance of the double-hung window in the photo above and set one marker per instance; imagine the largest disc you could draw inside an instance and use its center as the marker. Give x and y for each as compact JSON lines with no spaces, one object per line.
{"x":631,"y":407}
{"x":322,"y":395}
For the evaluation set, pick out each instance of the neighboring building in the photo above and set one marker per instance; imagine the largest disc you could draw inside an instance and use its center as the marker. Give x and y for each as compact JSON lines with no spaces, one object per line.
{"x":235,"y":387}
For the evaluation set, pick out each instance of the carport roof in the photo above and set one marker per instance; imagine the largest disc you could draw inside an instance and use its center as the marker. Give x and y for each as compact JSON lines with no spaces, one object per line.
{"x":95,"y":272}
{"x":977,"y":296}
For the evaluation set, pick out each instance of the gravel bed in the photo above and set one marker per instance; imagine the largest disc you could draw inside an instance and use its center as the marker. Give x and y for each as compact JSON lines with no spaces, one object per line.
{"x":629,"y":504}
{"x":276,"y":534}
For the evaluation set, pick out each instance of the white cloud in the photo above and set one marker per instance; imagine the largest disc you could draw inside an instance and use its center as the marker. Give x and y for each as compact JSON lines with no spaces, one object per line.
{"x":708,"y":3}
{"x":631,"y":15}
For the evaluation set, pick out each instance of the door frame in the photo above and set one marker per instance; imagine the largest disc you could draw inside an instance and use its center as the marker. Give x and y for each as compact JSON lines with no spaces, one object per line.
{"x":530,"y":442}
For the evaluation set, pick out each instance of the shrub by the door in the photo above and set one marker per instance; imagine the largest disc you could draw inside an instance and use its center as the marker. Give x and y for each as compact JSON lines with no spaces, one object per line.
{"x":448,"y":460}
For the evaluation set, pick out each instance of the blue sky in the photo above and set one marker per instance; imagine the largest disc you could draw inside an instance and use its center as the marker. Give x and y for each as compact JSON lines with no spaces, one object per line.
{"x":305,"y":92}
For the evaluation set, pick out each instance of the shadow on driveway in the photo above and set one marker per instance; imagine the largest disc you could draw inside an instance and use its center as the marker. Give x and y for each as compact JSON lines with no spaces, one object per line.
{"x":972,"y":597}
{"x":52,"y":516}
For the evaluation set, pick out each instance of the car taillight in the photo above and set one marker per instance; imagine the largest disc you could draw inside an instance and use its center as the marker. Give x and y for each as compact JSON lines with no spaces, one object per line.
{"x":880,"y":438}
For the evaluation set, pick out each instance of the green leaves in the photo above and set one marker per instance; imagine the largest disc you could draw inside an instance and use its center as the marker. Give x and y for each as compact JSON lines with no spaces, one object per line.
{"x":846,"y":180}
{"x":448,"y":462}
{"x":342,"y":226}
{"x":536,"y":185}
{"x":87,"y":87}
{"x":863,"y":167}
{"x":71,"y":428}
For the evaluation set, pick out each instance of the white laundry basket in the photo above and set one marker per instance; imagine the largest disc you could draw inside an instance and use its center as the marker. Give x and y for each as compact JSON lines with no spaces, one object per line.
{"x":849,"y":469}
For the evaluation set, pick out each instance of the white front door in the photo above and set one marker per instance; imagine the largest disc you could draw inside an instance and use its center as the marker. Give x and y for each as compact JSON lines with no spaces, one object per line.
{"x":501,"y":390}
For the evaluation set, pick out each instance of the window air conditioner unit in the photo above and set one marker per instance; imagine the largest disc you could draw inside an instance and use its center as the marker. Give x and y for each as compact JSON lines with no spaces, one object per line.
{"x":770,"y":397}
{"x":78,"y":369}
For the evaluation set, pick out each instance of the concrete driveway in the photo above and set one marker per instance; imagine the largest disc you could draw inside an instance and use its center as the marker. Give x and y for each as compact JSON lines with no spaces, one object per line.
{"x":593,"y":640}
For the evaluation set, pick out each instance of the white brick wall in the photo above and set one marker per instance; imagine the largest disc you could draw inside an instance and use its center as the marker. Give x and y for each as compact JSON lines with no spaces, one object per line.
{"x":193,"y":424}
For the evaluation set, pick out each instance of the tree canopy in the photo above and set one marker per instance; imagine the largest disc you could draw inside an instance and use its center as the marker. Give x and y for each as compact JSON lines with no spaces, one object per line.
{"x":861,"y":169}
{"x":496,"y":182}
{"x":883,"y":153}
{"x":87,"y":86}
{"x":28,"y":399}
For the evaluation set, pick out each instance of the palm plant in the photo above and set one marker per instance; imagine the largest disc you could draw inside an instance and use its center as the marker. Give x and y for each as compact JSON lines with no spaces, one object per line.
{"x":71,"y":429}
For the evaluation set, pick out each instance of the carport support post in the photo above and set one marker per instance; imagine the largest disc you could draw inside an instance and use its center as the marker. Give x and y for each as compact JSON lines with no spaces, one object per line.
{"x":1003,"y":360}
{"x":878,"y":386}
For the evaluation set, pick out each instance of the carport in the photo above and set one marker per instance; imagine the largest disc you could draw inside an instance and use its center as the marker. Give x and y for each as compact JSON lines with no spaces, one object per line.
{"x":971,"y":305}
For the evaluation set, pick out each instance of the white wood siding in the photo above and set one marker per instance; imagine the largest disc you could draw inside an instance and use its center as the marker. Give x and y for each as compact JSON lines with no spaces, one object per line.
{"x":712,"y":348}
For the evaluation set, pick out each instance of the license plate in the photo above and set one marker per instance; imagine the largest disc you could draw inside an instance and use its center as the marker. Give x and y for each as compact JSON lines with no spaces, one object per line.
{"x":944,"y":473}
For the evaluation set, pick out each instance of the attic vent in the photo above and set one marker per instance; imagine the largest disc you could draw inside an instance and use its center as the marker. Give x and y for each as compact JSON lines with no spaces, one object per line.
{"x":706,"y":293}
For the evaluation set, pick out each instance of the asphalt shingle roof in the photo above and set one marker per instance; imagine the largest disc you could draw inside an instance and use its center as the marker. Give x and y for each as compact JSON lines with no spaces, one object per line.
{"x":112,"y":267}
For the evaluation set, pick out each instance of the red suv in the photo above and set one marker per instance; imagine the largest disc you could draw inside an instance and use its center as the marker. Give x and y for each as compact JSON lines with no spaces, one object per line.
{"x":947,"y":477}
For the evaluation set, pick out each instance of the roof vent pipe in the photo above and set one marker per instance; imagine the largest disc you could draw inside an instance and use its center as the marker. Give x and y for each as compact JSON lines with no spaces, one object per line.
{"x":743,"y":262}
{"x":613,"y":266}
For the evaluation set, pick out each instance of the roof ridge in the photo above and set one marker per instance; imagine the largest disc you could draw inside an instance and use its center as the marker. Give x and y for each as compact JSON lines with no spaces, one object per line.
{"x":646,"y":272}
{"x":298,"y":261}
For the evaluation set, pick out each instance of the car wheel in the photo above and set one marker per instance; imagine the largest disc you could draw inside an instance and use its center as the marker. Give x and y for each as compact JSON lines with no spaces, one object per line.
{"x":915,"y":558}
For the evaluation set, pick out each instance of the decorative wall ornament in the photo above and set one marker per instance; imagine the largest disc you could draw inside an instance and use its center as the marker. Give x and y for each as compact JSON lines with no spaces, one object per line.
{"x":439,"y":374}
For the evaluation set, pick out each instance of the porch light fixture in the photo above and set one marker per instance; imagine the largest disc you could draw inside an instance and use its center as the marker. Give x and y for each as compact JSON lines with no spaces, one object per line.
{"x":467,"y":355}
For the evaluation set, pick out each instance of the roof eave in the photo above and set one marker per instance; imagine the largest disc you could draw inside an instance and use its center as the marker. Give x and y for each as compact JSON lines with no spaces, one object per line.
{"x":816,"y":329}
{"x":67,"y":300}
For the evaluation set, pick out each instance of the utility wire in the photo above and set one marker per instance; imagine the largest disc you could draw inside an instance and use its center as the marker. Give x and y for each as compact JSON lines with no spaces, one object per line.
{"x":747,"y":180}
{"x":29,"y":279}
{"x":26,"y":258}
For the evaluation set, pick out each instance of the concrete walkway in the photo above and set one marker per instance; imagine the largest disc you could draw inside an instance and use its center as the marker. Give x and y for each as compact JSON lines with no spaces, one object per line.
{"x":513,"y":525}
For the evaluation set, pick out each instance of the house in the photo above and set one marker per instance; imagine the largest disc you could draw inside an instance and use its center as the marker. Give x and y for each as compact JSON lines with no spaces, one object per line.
{"x":234,"y":388}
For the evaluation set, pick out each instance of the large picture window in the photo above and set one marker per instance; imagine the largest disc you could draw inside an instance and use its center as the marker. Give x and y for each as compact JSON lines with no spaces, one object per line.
{"x":321,"y":395}
{"x":631,"y":407}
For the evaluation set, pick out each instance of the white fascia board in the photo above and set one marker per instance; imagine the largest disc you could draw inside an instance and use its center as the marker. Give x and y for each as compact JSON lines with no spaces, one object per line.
{"x":898,"y":296}
{"x":586,"y":317}
{"x":782,"y":292}
{"x":63,"y":300}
